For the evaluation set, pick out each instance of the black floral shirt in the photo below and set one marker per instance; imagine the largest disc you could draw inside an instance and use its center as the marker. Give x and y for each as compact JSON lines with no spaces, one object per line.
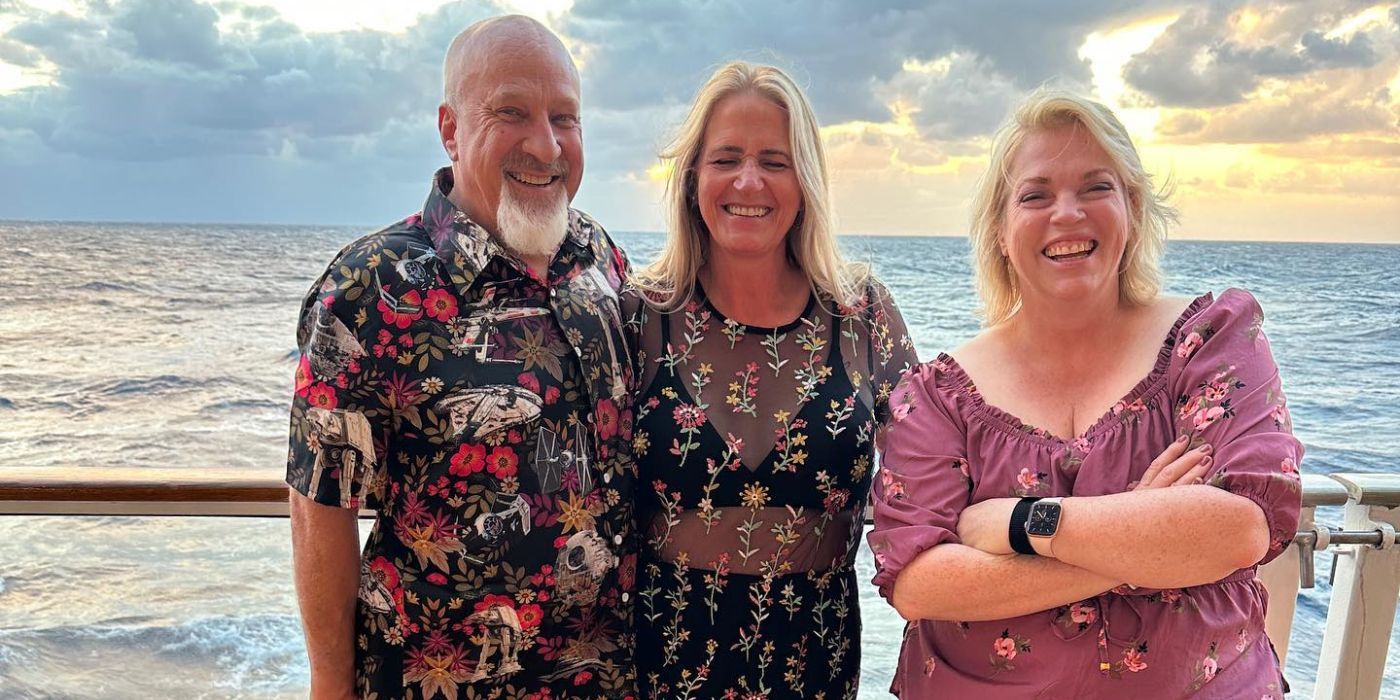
{"x":482,"y":414}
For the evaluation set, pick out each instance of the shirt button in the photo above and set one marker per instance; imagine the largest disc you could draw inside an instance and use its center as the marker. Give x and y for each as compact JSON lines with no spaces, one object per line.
{"x":553,"y":292}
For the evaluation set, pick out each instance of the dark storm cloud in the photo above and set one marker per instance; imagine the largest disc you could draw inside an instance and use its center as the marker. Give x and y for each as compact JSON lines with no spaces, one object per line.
{"x":1196,"y":63}
{"x":156,"y":79}
{"x":848,"y":55}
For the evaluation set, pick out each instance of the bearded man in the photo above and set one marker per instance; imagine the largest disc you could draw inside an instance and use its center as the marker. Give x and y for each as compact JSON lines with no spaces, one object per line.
{"x":464,"y":378}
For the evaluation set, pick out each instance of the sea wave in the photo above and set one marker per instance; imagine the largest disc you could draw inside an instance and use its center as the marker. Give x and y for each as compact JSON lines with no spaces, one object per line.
{"x":148,"y":386}
{"x":257,"y":654}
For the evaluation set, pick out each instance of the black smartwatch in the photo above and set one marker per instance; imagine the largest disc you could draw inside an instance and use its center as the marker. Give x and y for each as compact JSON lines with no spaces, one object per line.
{"x":1034,"y":517}
{"x":1020,"y":541}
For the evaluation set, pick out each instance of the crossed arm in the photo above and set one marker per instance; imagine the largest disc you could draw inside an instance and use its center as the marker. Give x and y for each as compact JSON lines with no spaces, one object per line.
{"x":1149,"y":537}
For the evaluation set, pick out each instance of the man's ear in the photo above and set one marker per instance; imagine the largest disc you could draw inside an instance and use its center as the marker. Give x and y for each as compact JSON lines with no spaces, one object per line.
{"x":447,"y":130}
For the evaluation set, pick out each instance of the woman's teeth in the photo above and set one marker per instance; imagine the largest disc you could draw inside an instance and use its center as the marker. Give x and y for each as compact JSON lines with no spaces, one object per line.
{"x":1069,"y":249}
{"x":737,"y":210}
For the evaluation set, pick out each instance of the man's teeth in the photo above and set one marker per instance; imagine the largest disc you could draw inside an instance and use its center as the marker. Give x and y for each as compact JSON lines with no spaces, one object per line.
{"x":1069,"y":248}
{"x":536,"y":180}
{"x":737,"y":210}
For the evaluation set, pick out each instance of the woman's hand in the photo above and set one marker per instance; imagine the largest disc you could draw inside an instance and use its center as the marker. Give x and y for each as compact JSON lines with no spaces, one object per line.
{"x":986,"y":525}
{"x":1176,"y":466}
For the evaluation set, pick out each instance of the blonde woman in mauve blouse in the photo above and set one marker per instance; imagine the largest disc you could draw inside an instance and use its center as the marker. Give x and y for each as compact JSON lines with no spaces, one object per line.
{"x":1023,"y":520}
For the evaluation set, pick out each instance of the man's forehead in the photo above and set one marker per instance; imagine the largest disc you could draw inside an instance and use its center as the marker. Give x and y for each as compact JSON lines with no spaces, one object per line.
{"x":555,"y":89}
{"x":503,"y":67}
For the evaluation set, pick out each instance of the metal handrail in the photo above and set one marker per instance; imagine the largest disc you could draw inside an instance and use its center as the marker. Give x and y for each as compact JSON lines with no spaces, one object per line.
{"x":1354,"y":650}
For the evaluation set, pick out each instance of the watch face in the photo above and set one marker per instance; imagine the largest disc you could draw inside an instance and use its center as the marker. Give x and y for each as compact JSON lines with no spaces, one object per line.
{"x":1044,"y":519}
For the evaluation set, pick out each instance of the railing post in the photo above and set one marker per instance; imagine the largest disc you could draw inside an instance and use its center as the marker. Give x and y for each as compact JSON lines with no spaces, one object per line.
{"x":1292,"y":569}
{"x":1362,"y":610}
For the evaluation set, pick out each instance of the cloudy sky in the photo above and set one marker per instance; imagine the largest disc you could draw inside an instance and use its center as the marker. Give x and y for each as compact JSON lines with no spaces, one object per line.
{"x":1273,"y":120}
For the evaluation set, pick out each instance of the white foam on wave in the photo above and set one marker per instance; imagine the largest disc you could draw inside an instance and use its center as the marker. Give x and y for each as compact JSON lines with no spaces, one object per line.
{"x":260,"y":654}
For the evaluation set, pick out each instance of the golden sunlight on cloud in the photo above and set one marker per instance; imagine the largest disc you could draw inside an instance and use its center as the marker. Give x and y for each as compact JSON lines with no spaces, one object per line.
{"x":1368,"y":18}
{"x":661,"y":171}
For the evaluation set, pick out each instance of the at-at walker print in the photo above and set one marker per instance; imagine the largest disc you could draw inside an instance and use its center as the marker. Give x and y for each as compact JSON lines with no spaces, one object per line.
{"x":498,"y":634}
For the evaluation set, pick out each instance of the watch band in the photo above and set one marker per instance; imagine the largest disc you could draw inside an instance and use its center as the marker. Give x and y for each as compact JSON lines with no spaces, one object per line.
{"x":1020,"y":541}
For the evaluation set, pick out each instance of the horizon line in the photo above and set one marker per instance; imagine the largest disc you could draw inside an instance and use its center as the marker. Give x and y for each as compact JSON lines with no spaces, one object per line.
{"x":848,"y":234}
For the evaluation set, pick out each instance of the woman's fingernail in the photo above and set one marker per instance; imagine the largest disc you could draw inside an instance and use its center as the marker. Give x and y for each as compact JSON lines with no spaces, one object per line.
{"x":1205,"y":449}
{"x":1206,"y":462}
{"x":1181,"y":438}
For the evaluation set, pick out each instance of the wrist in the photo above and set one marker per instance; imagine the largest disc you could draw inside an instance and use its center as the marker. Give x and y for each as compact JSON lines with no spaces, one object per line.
{"x":1016,"y":534}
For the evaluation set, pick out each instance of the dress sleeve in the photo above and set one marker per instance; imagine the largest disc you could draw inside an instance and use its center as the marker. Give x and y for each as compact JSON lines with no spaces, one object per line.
{"x":924,"y":483}
{"x":891,"y":349}
{"x":1228,"y":394}
{"x":339,"y":428}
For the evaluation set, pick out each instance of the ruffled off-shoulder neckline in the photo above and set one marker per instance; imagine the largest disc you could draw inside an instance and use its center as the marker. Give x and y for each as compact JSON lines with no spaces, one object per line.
{"x":1015,"y":426}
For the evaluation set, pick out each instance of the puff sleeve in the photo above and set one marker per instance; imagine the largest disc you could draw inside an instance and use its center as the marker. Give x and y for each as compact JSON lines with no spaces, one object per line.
{"x":923,"y":484}
{"x":1228,"y":394}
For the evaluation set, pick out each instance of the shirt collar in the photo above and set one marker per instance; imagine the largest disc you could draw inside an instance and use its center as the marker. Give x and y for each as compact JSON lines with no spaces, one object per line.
{"x":453,"y":233}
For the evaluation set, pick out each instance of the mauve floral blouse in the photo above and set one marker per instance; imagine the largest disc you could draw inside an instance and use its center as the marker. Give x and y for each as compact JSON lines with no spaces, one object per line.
{"x":1215,"y":380}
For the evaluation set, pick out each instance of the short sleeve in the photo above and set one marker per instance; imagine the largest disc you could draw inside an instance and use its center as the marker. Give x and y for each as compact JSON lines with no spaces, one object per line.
{"x":892,"y":351}
{"x":923,"y":484}
{"x":338,"y":425}
{"x":1228,"y":394}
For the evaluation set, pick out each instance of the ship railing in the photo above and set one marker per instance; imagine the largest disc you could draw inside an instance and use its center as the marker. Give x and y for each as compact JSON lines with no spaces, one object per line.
{"x":1365,"y":571}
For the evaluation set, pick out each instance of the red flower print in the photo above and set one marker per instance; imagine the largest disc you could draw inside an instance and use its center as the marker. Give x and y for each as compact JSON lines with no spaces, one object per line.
{"x":491,"y":600}
{"x":836,"y":500}
{"x":441,"y":305}
{"x":469,"y":459}
{"x":1005,"y":647}
{"x":302,"y":378}
{"x":502,"y":462}
{"x":624,"y":424}
{"x":528,"y":381}
{"x":605,"y":415}
{"x":322,"y":395}
{"x":551,"y":396}
{"x":688,"y":417}
{"x":385,"y":573}
{"x":530,"y":616}
{"x":437,"y":579}
{"x":583,"y":677}
{"x":1288,"y":466}
{"x":404,"y":318}
{"x":627,"y":572}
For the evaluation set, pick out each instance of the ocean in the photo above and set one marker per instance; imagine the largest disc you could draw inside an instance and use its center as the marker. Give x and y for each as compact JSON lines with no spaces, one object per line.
{"x":173,"y":346}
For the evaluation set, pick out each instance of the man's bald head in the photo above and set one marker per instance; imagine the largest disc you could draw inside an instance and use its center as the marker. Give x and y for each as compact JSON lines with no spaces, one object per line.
{"x":473,"y":49}
{"x":510,"y":123}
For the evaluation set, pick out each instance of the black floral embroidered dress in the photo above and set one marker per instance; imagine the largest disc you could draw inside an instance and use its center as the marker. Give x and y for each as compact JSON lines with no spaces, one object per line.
{"x":756,"y":447}
{"x":484,"y":415}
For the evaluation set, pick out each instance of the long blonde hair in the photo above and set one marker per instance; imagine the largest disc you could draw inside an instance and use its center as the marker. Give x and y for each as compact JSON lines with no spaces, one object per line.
{"x":1149,"y":216}
{"x":670,"y":280}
